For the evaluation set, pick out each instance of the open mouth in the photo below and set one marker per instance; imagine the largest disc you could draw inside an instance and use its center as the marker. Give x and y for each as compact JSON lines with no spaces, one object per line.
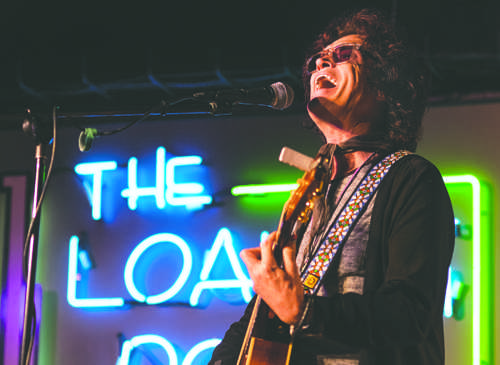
{"x":325,"y":82}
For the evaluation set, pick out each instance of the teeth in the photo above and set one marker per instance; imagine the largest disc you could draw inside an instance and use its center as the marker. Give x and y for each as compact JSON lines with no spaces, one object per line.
{"x":328,"y":77}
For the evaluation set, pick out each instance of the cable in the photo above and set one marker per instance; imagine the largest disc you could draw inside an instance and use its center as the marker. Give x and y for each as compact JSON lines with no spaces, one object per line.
{"x":87,"y":135}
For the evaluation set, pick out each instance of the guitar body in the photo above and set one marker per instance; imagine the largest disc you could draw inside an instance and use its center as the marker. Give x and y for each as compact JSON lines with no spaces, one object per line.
{"x":264,"y":352}
{"x":268,"y":341}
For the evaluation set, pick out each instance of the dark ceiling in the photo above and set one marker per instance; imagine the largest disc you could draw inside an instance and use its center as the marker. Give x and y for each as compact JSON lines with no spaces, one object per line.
{"x":120,"y":56}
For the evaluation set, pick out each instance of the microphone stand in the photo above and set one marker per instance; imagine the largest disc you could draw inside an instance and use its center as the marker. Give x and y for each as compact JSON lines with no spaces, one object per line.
{"x":42,"y":136}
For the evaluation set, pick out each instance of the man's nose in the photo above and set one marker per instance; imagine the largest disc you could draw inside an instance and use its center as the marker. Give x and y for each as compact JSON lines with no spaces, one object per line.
{"x":324,"y":62}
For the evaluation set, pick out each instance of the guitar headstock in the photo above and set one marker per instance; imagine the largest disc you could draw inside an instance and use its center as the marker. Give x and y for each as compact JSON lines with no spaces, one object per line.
{"x":298,"y":208}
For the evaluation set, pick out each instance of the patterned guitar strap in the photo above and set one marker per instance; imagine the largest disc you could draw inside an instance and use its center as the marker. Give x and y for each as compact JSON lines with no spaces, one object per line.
{"x":313,"y":275}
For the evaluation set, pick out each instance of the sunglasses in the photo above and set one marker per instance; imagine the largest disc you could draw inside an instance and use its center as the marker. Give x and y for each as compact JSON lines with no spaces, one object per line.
{"x":339,"y":54}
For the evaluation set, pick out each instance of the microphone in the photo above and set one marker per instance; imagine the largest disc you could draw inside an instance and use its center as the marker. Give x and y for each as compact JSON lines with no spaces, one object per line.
{"x":276,"y":96}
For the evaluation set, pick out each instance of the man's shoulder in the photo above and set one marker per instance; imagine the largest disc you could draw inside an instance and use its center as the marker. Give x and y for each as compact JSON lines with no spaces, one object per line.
{"x":411,"y":174}
{"x":414,"y":165}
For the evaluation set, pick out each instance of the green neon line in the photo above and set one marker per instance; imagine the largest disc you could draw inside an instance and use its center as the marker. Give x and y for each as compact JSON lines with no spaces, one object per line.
{"x":476,"y":261}
{"x":262,"y":189}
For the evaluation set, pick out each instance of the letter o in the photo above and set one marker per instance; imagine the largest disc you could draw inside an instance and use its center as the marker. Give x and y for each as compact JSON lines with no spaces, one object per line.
{"x":136,"y":254}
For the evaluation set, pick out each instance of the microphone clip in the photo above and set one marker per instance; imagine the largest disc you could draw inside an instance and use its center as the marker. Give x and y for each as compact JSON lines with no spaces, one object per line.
{"x":37,"y":127}
{"x":220,"y":108}
{"x":86,"y":138}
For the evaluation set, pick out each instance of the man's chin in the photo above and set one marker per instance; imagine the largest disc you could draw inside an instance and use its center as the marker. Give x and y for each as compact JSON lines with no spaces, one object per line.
{"x":322,"y":108}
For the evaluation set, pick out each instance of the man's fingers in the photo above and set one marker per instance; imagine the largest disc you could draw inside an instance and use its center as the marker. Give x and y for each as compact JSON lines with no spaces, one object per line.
{"x":266,"y":248}
{"x":289,"y":253}
{"x":250,"y":256}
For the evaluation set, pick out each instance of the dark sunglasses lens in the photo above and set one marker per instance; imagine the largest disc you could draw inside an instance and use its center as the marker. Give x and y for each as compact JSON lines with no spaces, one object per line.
{"x":342,"y":54}
{"x":339,"y":55}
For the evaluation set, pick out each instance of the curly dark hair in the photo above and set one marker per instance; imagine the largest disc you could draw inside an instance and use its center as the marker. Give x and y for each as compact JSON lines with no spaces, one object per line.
{"x":390,"y":68}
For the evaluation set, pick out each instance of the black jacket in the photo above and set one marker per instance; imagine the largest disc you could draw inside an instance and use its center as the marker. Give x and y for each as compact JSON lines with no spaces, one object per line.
{"x":399,"y":318}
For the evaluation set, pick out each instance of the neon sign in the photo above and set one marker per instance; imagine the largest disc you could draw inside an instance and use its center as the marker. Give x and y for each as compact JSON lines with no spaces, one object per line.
{"x":469,"y":188}
{"x":73,"y":279}
{"x":135,"y":256}
{"x":96,"y":171}
{"x":142,"y":340}
{"x":166,"y":188}
{"x":223,"y":241}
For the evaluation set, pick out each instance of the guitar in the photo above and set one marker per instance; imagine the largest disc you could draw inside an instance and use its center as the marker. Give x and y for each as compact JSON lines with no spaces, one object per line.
{"x":268,"y":341}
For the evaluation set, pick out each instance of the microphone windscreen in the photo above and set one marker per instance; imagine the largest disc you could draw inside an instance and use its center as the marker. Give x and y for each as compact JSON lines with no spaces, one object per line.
{"x":284,"y":95}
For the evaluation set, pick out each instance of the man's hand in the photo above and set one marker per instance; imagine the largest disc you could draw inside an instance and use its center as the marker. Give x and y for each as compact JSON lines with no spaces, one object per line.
{"x":281,"y":289}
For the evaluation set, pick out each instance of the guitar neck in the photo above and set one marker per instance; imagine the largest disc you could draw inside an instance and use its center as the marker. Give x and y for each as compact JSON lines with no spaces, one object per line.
{"x":271,"y":345}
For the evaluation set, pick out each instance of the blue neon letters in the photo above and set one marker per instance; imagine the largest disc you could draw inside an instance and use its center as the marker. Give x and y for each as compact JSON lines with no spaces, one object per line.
{"x":166,"y":188}
{"x":223,"y":240}
{"x":137,"y":341}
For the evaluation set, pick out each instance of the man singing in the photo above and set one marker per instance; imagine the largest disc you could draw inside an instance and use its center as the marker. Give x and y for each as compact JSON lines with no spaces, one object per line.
{"x":380,"y":299}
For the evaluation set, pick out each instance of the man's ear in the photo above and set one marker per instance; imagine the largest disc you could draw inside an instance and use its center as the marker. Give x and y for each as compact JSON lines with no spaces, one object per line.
{"x":356,"y":58}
